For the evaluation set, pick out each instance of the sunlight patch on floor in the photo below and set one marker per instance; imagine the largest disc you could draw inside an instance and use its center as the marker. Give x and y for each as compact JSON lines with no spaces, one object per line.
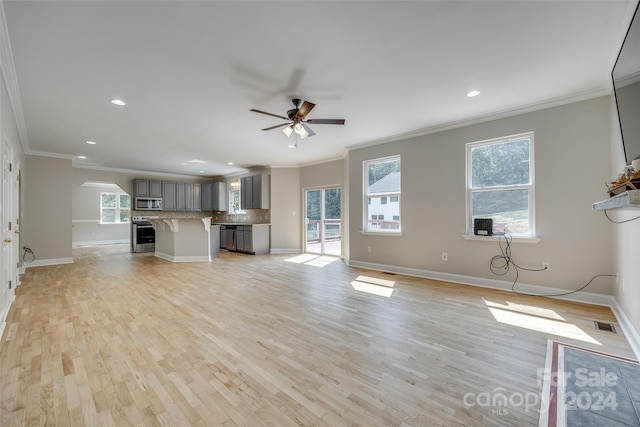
{"x":312,"y":260}
{"x":539,"y":324}
{"x":526,"y":309}
{"x":374,"y":286}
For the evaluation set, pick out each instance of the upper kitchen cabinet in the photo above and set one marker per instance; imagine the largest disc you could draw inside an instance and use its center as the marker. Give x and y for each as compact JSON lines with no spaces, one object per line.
{"x":214,"y":196}
{"x":169,"y":196}
{"x":207,"y":196}
{"x":197,"y":197}
{"x":254,"y":191}
{"x":180,"y":199}
{"x":220,"y":196}
{"x":147,"y":188}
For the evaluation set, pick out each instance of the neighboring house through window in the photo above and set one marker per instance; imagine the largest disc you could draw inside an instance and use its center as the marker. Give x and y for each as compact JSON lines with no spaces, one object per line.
{"x":500,"y":184}
{"x":115,"y":208}
{"x":382,"y":194}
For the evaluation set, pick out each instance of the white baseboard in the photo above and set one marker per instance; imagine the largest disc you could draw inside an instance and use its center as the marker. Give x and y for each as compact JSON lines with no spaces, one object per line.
{"x":51,"y":261}
{"x":633,"y":337}
{"x":172,"y":258}
{"x":584,"y":297}
{"x":100,"y":242}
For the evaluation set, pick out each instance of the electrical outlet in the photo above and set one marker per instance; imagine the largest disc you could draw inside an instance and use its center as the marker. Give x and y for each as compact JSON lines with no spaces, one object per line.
{"x":368,"y":248}
{"x":545,"y":265}
{"x":445,"y":256}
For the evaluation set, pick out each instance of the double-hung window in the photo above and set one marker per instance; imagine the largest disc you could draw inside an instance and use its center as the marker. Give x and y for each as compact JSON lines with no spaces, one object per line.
{"x":115,"y":208}
{"x":500,"y":184}
{"x":381,"y":183}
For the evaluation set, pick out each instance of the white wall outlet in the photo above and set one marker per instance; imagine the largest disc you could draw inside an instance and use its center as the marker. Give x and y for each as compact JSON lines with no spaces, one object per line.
{"x":368,"y":248}
{"x":445,"y":256}
{"x":545,"y":265}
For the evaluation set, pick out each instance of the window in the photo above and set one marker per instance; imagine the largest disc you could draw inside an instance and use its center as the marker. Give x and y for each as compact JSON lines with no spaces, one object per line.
{"x":115,"y":208}
{"x":394,"y":199}
{"x":381,"y":181}
{"x":500,"y":184}
{"x":235,"y":202}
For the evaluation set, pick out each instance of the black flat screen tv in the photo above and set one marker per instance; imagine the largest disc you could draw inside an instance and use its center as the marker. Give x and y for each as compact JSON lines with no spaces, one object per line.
{"x":626,"y":88}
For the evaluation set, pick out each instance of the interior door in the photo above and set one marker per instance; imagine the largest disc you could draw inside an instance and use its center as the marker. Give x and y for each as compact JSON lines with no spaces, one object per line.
{"x":323,"y":223}
{"x":7,"y":259}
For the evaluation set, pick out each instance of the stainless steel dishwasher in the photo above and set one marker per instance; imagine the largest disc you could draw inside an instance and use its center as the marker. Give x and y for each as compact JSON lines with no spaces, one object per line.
{"x":231,"y":237}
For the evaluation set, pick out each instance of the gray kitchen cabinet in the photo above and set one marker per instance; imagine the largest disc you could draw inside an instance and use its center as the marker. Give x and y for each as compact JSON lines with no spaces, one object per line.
{"x":141,"y":187}
{"x":180,"y":199}
{"x":188,"y":196}
{"x":147,"y":188}
{"x":247,"y":244}
{"x":207,"y":197}
{"x":214,"y":196}
{"x":155,"y":189}
{"x":168,"y":195}
{"x":246,"y":192}
{"x":219,"y":196}
{"x":197,"y":197}
{"x":240,"y":238}
{"x":254,"y":191}
{"x":223,"y":237}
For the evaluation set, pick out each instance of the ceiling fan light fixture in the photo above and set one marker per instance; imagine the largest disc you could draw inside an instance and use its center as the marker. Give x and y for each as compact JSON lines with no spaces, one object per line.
{"x":299,"y":129}
{"x":287,"y":131}
{"x":304,"y":133}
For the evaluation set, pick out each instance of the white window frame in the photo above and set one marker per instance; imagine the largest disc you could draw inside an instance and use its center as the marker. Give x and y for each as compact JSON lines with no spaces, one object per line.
{"x":529,"y":186}
{"x":117,"y":209}
{"x":366,"y":195}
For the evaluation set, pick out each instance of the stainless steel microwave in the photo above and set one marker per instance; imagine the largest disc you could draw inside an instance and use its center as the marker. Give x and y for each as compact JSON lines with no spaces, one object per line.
{"x":148,"y":204}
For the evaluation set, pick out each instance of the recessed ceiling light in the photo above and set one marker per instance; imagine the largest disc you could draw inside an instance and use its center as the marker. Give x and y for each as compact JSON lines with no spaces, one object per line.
{"x":91,"y":142}
{"x":473,"y":93}
{"x":81,"y":157}
{"x":201,"y":171}
{"x":118,"y":102}
{"x":230,"y":163}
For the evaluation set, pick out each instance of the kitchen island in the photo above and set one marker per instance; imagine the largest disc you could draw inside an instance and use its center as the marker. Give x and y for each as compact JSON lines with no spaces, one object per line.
{"x":184,"y":239}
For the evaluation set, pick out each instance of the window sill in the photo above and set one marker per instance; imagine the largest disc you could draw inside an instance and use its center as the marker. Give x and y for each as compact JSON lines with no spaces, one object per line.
{"x":381,"y":233}
{"x":113,"y":223}
{"x":516,"y":239}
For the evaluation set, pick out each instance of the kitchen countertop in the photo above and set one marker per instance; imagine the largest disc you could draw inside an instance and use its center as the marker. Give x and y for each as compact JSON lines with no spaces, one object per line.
{"x":237,"y":223}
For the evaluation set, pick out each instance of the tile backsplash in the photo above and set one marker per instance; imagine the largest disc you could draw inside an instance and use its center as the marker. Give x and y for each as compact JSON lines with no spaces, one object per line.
{"x":251,"y":216}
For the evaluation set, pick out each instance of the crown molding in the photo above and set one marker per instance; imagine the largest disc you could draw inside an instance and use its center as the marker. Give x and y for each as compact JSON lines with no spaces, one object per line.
{"x":141,"y":172}
{"x":48,"y":154}
{"x":10,"y":78}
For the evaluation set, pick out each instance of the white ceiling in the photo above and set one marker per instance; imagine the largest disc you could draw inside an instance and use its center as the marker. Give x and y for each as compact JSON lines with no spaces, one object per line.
{"x":190,"y":71}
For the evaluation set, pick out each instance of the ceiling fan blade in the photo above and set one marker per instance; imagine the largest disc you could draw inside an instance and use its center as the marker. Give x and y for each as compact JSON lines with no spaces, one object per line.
{"x":269,"y":114}
{"x":305,"y":109}
{"x":326,"y":121}
{"x":277,"y":126}
{"x":308,"y":129}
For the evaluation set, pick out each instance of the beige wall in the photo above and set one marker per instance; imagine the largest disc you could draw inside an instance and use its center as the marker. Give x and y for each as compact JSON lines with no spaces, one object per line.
{"x":286,"y":216}
{"x":47,"y":208}
{"x":626,"y":249}
{"x":571,"y":166}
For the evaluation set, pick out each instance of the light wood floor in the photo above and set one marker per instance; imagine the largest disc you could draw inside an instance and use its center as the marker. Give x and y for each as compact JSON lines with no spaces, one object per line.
{"x":129,"y":339}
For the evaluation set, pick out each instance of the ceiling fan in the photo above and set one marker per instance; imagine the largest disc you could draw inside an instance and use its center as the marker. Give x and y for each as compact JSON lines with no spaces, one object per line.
{"x":297,"y":121}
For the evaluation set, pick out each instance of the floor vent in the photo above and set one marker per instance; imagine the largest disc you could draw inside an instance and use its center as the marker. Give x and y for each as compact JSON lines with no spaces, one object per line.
{"x":601,"y":326}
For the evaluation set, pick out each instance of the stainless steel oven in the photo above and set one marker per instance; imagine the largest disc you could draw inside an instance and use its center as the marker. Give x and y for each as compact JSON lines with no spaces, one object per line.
{"x":143,"y":235}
